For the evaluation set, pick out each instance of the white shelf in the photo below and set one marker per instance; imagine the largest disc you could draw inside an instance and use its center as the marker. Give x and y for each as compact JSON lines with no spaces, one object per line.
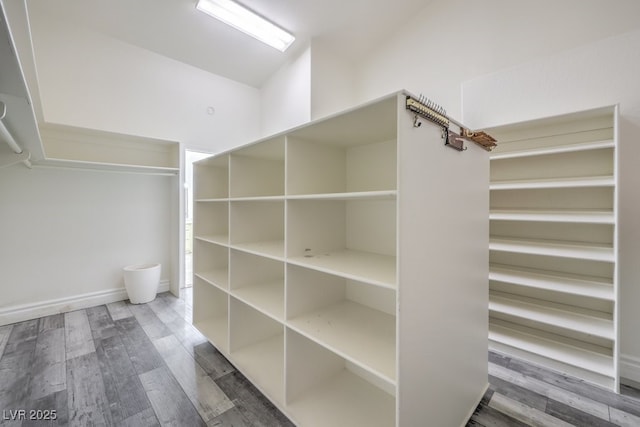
{"x":568,"y":216}
{"x":212,"y":200}
{"x":367,"y":195}
{"x":263,"y":364}
{"x":357,"y":265}
{"x":217,"y":239}
{"x":344,"y":400}
{"x":272,"y":249}
{"x":266,"y":297}
{"x":336,"y":326}
{"x":553,"y":248}
{"x":578,"y":182}
{"x":107,"y":167}
{"x":588,"y":322}
{"x":257,"y":199}
{"x":557,"y":149}
{"x":560,"y":349}
{"x":83,"y":148}
{"x":216,"y":277}
{"x":553,"y":281}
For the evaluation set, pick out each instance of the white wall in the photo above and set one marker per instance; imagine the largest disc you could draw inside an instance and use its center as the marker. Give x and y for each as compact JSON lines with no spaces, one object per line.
{"x":286,"y":96}
{"x":598,"y":74}
{"x":452,"y":41}
{"x":65,"y":234}
{"x":332,"y":81}
{"x":88,"y":79}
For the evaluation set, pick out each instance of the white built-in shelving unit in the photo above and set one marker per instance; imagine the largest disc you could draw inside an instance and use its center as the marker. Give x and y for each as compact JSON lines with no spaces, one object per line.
{"x":342,"y":267}
{"x":553,"y":281}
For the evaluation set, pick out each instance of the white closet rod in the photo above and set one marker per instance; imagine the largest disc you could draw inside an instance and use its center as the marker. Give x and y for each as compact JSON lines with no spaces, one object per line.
{"x":8,"y":138}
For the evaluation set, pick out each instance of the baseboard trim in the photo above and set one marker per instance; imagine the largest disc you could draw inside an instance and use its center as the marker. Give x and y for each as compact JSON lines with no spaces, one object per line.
{"x":630,"y":367}
{"x":19,"y":313}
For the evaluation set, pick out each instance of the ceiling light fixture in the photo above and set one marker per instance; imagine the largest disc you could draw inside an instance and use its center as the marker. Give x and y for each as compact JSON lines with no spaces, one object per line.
{"x":248,"y":22}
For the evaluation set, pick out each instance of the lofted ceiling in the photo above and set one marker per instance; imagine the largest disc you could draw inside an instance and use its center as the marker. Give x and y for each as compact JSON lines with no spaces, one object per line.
{"x":175,"y":29}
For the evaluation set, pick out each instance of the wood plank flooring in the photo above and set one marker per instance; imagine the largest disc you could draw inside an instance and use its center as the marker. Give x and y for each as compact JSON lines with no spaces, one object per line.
{"x":146,"y":365}
{"x":124,"y":365}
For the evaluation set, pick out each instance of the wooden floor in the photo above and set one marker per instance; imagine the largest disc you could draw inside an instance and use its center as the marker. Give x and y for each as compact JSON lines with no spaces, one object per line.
{"x":145,"y":365}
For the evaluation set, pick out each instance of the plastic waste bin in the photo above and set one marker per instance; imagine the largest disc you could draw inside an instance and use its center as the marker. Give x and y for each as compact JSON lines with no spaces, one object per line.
{"x":141,"y":282}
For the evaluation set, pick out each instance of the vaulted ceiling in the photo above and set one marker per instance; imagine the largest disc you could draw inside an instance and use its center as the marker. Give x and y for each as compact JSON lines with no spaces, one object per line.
{"x":174,"y":28}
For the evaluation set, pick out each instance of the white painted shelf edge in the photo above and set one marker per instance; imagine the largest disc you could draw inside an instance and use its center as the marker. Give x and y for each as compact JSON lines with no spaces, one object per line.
{"x":269,"y":249}
{"x":372,"y":195}
{"x":218,"y":239}
{"x":107,"y":167}
{"x":216,"y":277}
{"x":578,"y":285}
{"x":575,"y":250}
{"x":586,"y":216}
{"x":575,"y":182}
{"x":566,"y":148}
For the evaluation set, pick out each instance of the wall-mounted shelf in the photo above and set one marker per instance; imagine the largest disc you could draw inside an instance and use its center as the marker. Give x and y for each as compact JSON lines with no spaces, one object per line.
{"x":81,"y":148}
{"x":300,"y":279}
{"x":553,"y":244}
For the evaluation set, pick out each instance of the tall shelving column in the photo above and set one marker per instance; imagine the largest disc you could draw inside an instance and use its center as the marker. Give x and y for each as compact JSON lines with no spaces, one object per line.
{"x":257,"y":268}
{"x":211,"y":250}
{"x":341,"y":273}
{"x":553,"y":290}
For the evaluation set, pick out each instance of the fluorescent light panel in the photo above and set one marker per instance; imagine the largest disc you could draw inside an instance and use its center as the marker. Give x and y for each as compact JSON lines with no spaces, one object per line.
{"x":237,"y":16}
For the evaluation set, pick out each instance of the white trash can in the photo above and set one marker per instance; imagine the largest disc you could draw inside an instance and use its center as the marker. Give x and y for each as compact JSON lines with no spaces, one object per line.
{"x":141,"y":282}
